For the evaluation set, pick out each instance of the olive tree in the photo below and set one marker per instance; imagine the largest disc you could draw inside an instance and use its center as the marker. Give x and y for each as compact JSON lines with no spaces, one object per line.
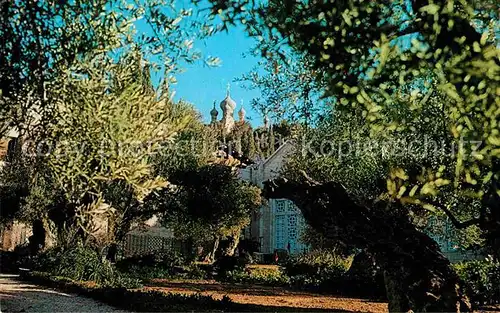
{"x":209,"y":204}
{"x":372,"y":55}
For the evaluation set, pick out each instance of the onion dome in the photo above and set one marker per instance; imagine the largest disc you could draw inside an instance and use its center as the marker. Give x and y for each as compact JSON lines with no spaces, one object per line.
{"x":214,"y":112}
{"x":213,"y":115}
{"x":242,"y":113}
{"x":228,"y":104}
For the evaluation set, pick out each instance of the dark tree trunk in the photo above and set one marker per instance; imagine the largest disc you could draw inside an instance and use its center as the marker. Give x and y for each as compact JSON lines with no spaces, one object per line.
{"x":112,"y":252}
{"x":37,"y":240}
{"x":398,"y":300}
{"x":418,"y":277}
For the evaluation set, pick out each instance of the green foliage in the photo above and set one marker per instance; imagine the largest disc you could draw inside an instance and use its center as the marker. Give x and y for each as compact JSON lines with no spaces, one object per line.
{"x":44,"y":39}
{"x":317,"y":241}
{"x":289,"y":91}
{"x":260,"y":276}
{"x":208,"y":203}
{"x":76,"y":82}
{"x":226,"y":265}
{"x":82,"y":264}
{"x":158,"y":265}
{"x":100,"y":161}
{"x":316,"y":268}
{"x":482,"y":280}
{"x":407,"y":68}
{"x":191,"y":148}
{"x":108,"y":107}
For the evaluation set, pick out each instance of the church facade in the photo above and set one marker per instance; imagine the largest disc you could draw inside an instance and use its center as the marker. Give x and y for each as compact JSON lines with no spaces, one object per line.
{"x":279,"y":223}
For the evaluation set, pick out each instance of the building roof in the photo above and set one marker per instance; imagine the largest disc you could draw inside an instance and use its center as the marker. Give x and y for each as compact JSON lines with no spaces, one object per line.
{"x":227,"y":103}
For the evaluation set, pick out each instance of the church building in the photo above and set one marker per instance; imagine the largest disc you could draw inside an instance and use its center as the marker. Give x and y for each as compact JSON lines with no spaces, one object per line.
{"x":279,"y":223}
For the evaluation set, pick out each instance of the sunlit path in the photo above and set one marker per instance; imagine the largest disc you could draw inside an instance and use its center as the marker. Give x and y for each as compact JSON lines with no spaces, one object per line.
{"x":18,"y":296}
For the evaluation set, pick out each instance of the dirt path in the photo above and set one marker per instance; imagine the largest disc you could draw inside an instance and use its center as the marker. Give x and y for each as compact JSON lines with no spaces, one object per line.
{"x":18,"y":296}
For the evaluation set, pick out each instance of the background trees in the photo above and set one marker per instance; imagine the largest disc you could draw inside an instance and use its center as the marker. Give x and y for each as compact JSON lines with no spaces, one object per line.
{"x":290,"y":89}
{"x":97,"y":157}
{"x":208,"y":204}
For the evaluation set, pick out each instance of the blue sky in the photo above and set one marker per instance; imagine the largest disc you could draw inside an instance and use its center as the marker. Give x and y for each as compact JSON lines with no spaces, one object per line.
{"x":201,"y":85}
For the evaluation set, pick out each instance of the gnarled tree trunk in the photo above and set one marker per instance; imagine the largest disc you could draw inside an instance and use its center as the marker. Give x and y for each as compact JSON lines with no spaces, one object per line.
{"x":211,"y":256}
{"x":234,"y":240}
{"x":418,"y":276}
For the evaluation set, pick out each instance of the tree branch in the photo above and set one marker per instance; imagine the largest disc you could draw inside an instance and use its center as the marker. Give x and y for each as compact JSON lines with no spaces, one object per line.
{"x":458,"y":224}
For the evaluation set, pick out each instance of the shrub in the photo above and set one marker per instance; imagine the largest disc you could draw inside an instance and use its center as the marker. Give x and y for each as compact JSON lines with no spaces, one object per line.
{"x":270,"y":276}
{"x":229,"y":264}
{"x":195,"y":271}
{"x":146,"y":272}
{"x":283,"y":256}
{"x":317,"y":268}
{"x":82,"y":264}
{"x":170,"y":259}
{"x":481,"y":280}
{"x":9,"y":262}
{"x":159,"y":265}
{"x":163,"y":259}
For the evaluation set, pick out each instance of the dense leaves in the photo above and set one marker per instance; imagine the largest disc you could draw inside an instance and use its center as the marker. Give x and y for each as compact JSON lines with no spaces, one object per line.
{"x":401,"y":65}
{"x":82,"y":264}
{"x":209,"y":202}
{"x":481,"y":279}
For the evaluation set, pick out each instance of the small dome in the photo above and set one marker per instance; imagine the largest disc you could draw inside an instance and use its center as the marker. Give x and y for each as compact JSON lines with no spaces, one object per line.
{"x":214,"y":111}
{"x":242,"y":113}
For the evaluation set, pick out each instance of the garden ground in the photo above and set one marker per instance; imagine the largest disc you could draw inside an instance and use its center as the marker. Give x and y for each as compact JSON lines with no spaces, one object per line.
{"x":18,"y":296}
{"x":268,"y":296}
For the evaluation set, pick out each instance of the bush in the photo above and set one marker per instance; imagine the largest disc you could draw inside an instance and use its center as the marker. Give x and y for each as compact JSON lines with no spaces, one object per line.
{"x":226,"y":265}
{"x":160,"y":265}
{"x":9,"y":262}
{"x":283,"y":256}
{"x":481,"y":280}
{"x":162,"y":259}
{"x":260,"y":275}
{"x":82,"y":264}
{"x":147,"y":272}
{"x":195,"y":271}
{"x":317,"y":269}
